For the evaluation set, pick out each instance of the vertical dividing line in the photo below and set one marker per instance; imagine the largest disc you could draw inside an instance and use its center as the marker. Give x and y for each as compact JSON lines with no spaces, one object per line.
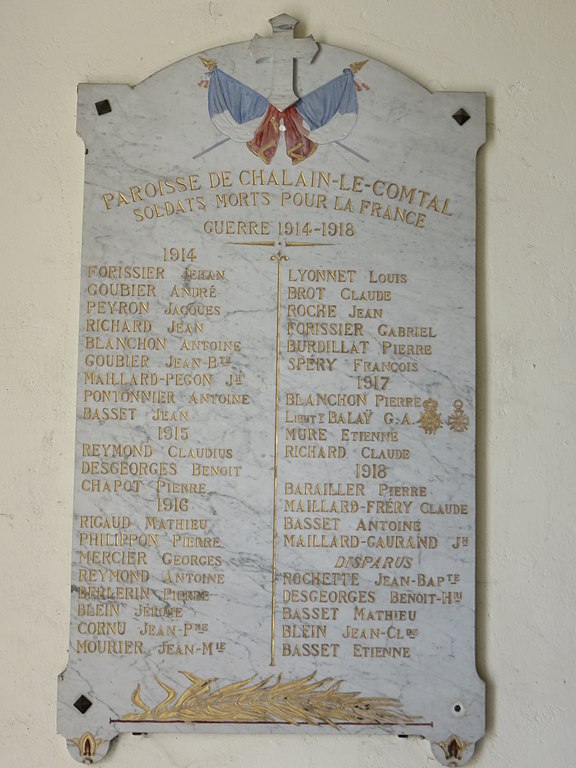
{"x":279,"y":259}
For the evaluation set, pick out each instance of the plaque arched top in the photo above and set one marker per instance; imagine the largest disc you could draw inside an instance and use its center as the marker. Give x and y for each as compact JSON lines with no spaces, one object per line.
{"x":283,"y":51}
{"x":227,"y":92}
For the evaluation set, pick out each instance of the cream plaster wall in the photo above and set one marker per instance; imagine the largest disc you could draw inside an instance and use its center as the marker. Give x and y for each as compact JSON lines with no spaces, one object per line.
{"x":521,"y":52}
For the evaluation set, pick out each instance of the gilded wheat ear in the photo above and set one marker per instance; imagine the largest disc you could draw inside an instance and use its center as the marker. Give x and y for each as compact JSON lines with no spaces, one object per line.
{"x":301,"y":701}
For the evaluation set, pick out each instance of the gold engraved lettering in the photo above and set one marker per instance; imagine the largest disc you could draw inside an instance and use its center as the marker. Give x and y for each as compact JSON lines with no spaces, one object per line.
{"x":402,"y":542}
{"x":185,"y":595}
{"x":402,"y":490}
{"x":99,"y":521}
{"x":194,"y":561}
{"x":237,"y":227}
{"x":115,"y":557}
{"x":306,"y":631}
{"x":110,"y":486}
{"x":135,"y":290}
{"x":200,"y":542}
{"x":399,"y":402}
{"x":110,"y":647}
{"x":393,"y":525}
{"x":369,"y":313}
{"x":314,"y":452}
{"x":117,"y":361}
{"x":204,"y":274}
{"x":127,"y":396}
{"x":406,"y":349}
{"x":151,"y":189}
{"x":321,"y":578}
{"x":194,"y":309}
{"x":156,"y":630}
{"x":174,"y":577}
{"x":108,"y":414}
{"x":113,"y":593}
{"x":210,"y":398}
{"x":309,"y":506}
{"x":166,"y":486}
{"x":443,"y":509}
{"x":99,"y":609}
{"x":213,"y":470}
{"x":243,"y":199}
{"x":194,"y":292}
{"x":312,"y":650}
{"x":169,"y":208}
{"x":316,"y":179}
{"x":178,"y":524}
{"x":175,"y":649}
{"x":102,"y":628}
{"x":326,"y":399}
{"x":121,"y":272}
{"x":341,"y":596}
{"x":310,"y":614}
{"x":321,"y":541}
{"x":322,"y":275}
{"x":371,"y":614}
{"x":388,"y":507}
{"x":324,"y":489}
{"x":304,"y":200}
{"x":126,"y":575}
{"x":381,"y":652}
{"x":311,"y":523}
{"x":389,"y":563}
{"x":375,"y":633}
{"x":133,"y":468}
{"x":165,"y":611}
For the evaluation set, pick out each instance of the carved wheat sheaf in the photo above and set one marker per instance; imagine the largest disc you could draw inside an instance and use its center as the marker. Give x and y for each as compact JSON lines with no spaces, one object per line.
{"x":303,"y":701}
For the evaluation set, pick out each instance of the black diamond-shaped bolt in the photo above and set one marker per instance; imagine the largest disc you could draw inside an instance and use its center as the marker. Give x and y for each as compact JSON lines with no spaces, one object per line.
{"x":83,"y":704}
{"x":103,"y":107}
{"x":461,"y":116}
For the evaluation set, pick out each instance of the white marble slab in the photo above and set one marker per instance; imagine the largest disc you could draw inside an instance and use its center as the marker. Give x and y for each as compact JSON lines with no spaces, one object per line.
{"x":275,"y":470}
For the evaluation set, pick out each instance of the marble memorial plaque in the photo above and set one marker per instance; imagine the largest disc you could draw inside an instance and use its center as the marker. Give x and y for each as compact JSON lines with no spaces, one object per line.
{"x":274,"y":502}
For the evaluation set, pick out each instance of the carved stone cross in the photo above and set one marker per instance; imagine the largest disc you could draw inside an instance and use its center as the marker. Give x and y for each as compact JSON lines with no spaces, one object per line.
{"x":283,"y":48}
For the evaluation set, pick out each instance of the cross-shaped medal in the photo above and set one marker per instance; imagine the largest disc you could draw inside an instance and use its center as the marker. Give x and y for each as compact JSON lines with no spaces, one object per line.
{"x":283,"y":48}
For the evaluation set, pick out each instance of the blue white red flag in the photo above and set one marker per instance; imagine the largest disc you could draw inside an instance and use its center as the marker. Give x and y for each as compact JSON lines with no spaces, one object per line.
{"x":327,"y":114}
{"x":235,"y":109}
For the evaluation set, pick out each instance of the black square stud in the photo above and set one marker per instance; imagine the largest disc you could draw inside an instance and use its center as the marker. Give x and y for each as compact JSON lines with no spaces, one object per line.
{"x":461,"y":116}
{"x":83,"y":704}
{"x":103,"y":107}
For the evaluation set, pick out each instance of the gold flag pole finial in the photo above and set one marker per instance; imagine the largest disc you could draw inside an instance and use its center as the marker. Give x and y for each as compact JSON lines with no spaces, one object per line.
{"x":210,"y":64}
{"x":357,"y":66}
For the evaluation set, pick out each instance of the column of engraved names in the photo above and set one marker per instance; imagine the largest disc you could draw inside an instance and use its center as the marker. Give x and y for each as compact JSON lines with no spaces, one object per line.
{"x":192,"y":563}
{"x":165,"y":532}
{"x":118,"y":340}
{"x":315,"y":510}
{"x":336,"y":324}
